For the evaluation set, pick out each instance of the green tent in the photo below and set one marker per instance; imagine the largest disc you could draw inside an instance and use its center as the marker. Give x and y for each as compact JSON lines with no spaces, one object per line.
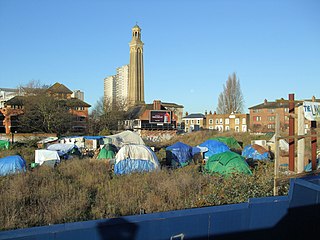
{"x":4,"y":144}
{"x":226,"y":163}
{"x":231,"y":142}
{"x":107,"y":152}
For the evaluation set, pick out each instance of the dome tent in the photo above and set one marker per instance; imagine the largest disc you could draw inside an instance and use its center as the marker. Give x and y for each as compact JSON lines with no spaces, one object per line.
{"x":135,"y":158}
{"x":227,"y":163}
{"x":179,"y":154}
{"x":12,"y":164}
{"x":214,"y":147}
{"x":231,"y":142}
{"x":108,"y":151}
{"x":255,"y":152}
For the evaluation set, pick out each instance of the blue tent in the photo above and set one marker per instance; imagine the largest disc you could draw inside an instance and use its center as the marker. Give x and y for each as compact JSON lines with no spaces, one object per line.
{"x":12,"y":164}
{"x":214,"y":147}
{"x":179,"y":154}
{"x":308,"y":167}
{"x":255,"y":152}
{"x":135,"y":158}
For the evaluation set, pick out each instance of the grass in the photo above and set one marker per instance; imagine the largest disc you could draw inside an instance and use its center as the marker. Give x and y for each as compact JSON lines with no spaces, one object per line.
{"x":82,"y":189}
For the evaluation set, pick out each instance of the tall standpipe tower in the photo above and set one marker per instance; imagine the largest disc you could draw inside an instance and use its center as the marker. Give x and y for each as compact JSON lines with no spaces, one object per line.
{"x":136,"y":71}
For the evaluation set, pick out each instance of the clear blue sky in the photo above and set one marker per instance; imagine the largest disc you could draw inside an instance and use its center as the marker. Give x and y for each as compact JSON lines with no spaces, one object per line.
{"x":191,"y":46}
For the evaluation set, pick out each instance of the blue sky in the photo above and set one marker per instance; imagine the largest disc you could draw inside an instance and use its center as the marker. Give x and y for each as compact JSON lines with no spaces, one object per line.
{"x":191,"y":46}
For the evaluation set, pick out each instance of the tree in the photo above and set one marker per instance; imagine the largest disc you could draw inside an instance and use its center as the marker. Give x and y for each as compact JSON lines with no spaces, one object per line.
{"x":106,"y":115}
{"x":231,"y":98}
{"x":43,"y":113}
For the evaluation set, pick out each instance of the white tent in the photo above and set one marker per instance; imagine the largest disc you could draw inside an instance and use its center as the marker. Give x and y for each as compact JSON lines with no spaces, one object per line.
{"x":123,"y":138}
{"x":46,"y":157}
{"x":283,"y":145}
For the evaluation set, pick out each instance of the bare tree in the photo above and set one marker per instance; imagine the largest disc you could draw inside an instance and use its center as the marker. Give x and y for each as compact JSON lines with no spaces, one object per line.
{"x":105,"y":115}
{"x":231,"y":98}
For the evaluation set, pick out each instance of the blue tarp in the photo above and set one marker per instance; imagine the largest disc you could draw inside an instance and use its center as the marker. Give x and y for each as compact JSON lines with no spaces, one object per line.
{"x":308,"y":167}
{"x":179,"y":154}
{"x":133,"y":165}
{"x":12,"y":164}
{"x":250,"y":152}
{"x":214,"y":147}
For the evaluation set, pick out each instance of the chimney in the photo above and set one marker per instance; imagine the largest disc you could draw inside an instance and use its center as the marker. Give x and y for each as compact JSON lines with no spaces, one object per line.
{"x":205,"y":112}
{"x":215,"y":113}
{"x":313,"y":99}
{"x":265,"y":102}
{"x":156,"y":105}
{"x":187,"y":113}
{"x":210,"y":112}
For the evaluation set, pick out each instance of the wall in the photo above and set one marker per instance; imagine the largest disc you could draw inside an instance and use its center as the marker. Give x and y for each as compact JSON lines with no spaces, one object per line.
{"x":157,"y":136}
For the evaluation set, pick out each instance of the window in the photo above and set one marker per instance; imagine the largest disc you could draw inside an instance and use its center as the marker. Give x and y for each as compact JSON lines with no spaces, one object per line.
{"x":187,"y":121}
{"x":286,"y":118}
{"x":237,"y":128}
{"x":192,"y":121}
{"x":271,"y":110}
{"x":226,"y":121}
{"x":271,"y":118}
{"x":237,"y":121}
{"x":286,"y":110}
{"x":244,"y":121}
{"x":256,"y":110}
{"x":221,"y":120}
{"x":257,"y":118}
{"x":198,"y":121}
{"x":210,"y":121}
{"x":270,"y":126}
{"x":217,"y":121}
{"x":227,"y":128}
{"x":211,"y":127}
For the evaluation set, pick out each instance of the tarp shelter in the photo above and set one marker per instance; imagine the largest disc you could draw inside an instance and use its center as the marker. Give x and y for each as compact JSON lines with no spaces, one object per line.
{"x":45,"y":142}
{"x":179,"y":154}
{"x":46,"y":157}
{"x":283,"y":144}
{"x":65,"y":151}
{"x":227,"y":163}
{"x":12,"y":164}
{"x":4,"y":144}
{"x":135,"y":158}
{"x":108,"y":151}
{"x":255,"y":152}
{"x":123,"y":138}
{"x":214,"y":147}
{"x":231,"y":142}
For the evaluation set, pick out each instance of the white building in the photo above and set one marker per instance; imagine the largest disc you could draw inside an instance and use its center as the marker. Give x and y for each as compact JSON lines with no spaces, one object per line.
{"x":116,"y":87}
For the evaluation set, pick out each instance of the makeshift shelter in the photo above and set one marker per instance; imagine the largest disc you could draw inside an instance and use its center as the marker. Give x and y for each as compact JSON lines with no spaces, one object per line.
{"x":65,"y":151}
{"x":283,"y":144}
{"x":214,"y":147}
{"x":308,"y":167}
{"x":46,"y":157}
{"x":179,"y":154}
{"x":231,"y":142}
{"x":227,"y":163}
{"x":125,"y":137}
{"x":47,"y":141}
{"x":135,"y":158}
{"x":255,"y":152}
{"x":4,"y":144}
{"x":108,"y":151}
{"x":12,"y":164}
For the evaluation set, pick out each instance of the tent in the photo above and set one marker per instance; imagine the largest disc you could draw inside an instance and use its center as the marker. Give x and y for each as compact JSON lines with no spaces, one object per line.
{"x":135,"y":158}
{"x":255,"y":152}
{"x":283,"y":144}
{"x":12,"y":164}
{"x":214,"y":147}
{"x":108,"y":151}
{"x":227,"y":163}
{"x":179,"y":154}
{"x":4,"y":144}
{"x":66,"y":150}
{"x":46,"y":157}
{"x":125,"y":137}
{"x":231,"y":142}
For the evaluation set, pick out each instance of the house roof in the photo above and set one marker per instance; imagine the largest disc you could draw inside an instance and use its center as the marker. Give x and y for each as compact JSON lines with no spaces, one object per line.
{"x":59,"y":88}
{"x":195,"y":115}
{"x":73,"y":102}
{"x":171,"y":105}
{"x":136,"y":111}
{"x":281,"y":103}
